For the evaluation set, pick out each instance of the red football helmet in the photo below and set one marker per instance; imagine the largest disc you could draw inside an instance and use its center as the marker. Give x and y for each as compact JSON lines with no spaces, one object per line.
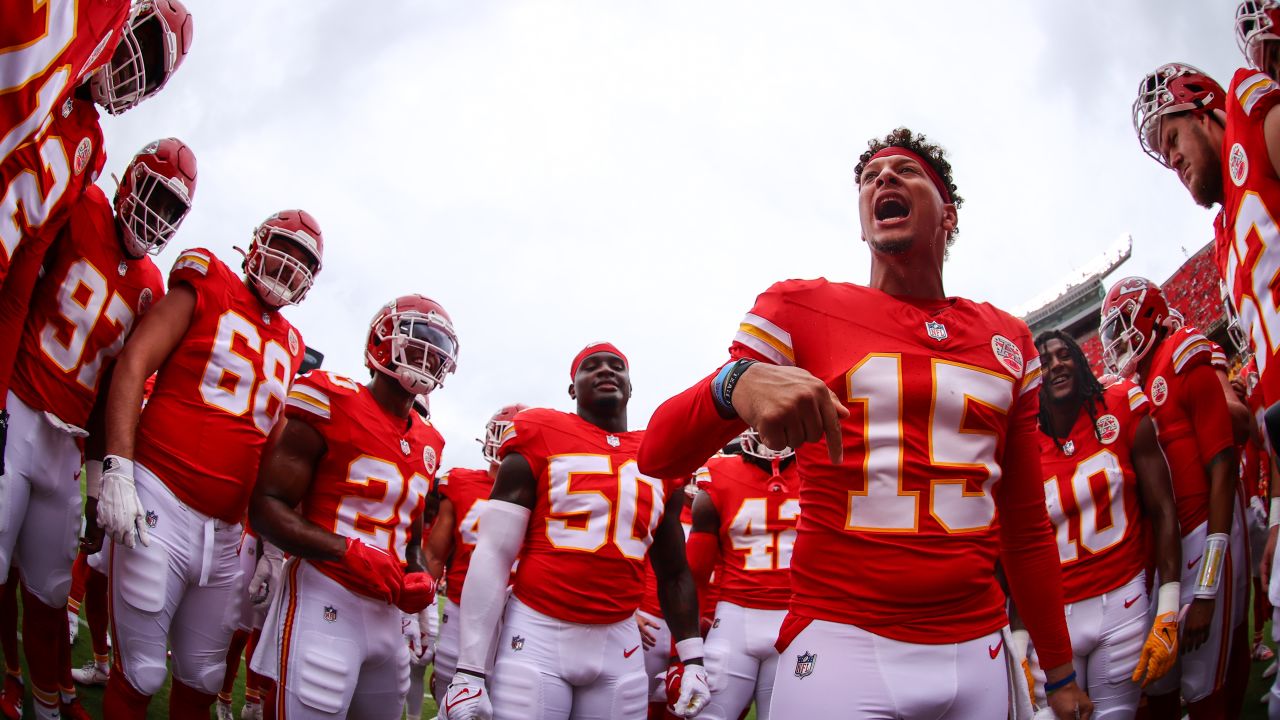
{"x":155,"y":195}
{"x":280,"y":278}
{"x":1131,"y":313}
{"x":493,"y":430}
{"x":411,"y":339}
{"x":751,"y":445}
{"x":1235,"y":329}
{"x":124,"y":81}
{"x":1171,"y":89}
{"x":1256,"y":23}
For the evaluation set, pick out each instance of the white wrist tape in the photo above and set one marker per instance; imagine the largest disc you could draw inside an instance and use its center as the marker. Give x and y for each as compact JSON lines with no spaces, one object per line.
{"x":1273,"y":518}
{"x":689,"y":649}
{"x":484,"y":596}
{"x":1169,"y":598}
{"x":117,"y":464}
{"x":92,"y":478}
{"x":1210,"y":577}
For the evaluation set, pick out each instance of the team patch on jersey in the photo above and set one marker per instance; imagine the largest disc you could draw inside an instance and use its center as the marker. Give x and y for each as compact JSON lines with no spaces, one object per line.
{"x":429,"y":459}
{"x":293,"y":342}
{"x":1108,"y":429}
{"x":936,"y":330}
{"x":144,"y":300}
{"x":1159,"y":390}
{"x":1238,"y":164}
{"x":83,"y":151}
{"x":805,"y":663}
{"x":1007,"y":352}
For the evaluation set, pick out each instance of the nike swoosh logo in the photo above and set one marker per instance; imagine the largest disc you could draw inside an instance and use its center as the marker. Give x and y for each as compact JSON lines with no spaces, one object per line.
{"x":461,"y":697}
{"x":629,"y":653}
{"x":1129,"y":603}
{"x":1193,"y":563}
{"x":995,"y":649}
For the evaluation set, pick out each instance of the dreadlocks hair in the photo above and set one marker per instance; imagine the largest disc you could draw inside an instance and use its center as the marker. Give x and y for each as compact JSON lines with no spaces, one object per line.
{"x":933,"y":154}
{"x":1088,"y":389}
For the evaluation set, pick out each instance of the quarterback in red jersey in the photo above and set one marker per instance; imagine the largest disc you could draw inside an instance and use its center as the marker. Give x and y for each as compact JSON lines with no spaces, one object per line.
{"x":1106,"y":481}
{"x":91,"y":57}
{"x":930,"y":472}
{"x":178,"y":473}
{"x":744,"y":523}
{"x":1195,"y":434}
{"x":357,"y":463}
{"x":97,"y":282}
{"x":571,"y":502}
{"x":465,"y":493}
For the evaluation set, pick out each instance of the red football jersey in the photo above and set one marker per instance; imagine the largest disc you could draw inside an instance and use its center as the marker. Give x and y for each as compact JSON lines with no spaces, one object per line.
{"x":588,"y":541}
{"x":1091,"y":491}
{"x":373,"y":479}
{"x":76,"y":127}
{"x":1192,"y":421}
{"x":758,"y":514}
{"x":468,"y":491}
{"x":902,"y":539}
{"x":81,"y":313}
{"x":41,"y":178}
{"x":1246,"y":237}
{"x":220,"y":392}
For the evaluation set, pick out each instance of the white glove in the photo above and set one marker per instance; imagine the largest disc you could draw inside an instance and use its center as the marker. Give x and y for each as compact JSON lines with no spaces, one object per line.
{"x":694,"y":692}
{"x":418,"y":635}
{"x":119,"y":511}
{"x":1260,"y":513}
{"x":266,"y":574}
{"x":466,"y":698}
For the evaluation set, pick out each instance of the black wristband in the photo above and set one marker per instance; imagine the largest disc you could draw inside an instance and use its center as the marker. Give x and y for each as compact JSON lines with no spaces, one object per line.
{"x":731,"y":380}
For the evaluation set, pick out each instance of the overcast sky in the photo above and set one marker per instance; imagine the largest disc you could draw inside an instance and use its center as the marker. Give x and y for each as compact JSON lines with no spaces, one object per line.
{"x":555,"y":173}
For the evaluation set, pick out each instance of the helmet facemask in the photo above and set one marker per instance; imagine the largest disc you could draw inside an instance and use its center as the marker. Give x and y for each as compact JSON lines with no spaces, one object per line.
{"x":1123,"y":345}
{"x":752,"y":446}
{"x":152,"y":211}
{"x":141,"y":64}
{"x":422,"y":350}
{"x":493,"y":439}
{"x":1254,"y":29}
{"x":280,"y":278}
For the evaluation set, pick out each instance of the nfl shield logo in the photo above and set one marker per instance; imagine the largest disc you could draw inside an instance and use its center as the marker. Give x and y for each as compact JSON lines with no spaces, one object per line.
{"x":404,"y":446}
{"x":612,"y":440}
{"x":330,"y":613}
{"x":1069,"y":447}
{"x":804,"y":664}
{"x":936,"y":330}
{"x":152,"y":518}
{"x":517,"y":643}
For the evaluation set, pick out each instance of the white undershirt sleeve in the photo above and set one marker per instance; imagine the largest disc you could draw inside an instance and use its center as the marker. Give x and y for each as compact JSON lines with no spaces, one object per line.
{"x":484,"y":596}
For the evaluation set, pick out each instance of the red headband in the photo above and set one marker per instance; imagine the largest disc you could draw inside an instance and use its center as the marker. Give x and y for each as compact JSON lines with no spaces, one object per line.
{"x":928,"y":169}
{"x":592,"y":349}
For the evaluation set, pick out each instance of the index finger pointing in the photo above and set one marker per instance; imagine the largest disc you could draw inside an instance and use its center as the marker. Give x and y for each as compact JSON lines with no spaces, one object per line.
{"x":832,"y":412}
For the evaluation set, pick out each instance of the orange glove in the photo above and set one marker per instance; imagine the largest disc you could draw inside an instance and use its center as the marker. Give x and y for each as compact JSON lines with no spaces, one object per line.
{"x":1160,"y":651}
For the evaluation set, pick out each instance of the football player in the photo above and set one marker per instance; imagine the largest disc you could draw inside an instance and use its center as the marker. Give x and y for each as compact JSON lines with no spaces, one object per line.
{"x":465,"y":493}
{"x":342,"y":492}
{"x":44,"y":176}
{"x":1195,"y":435}
{"x":570,"y":501}
{"x":927,"y":404}
{"x":1105,"y":482}
{"x":99,"y":281}
{"x":745,"y":518}
{"x":178,"y":473}
{"x":260,"y":567}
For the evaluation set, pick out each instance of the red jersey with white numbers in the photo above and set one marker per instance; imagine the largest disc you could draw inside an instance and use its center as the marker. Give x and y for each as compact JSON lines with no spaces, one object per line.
{"x":220,"y":392}
{"x":468,"y":491}
{"x":1246,"y":237}
{"x":1091,"y":491}
{"x":1192,"y":421}
{"x":902,"y":538}
{"x":372,"y":481}
{"x":81,"y":313}
{"x":758,"y":513}
{"x":589,"y":534}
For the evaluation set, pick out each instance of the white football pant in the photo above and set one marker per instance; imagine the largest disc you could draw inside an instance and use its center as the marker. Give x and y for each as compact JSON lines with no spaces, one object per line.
{"x":657,"y":658}
{"x":447,"y":643}
{"x":40,"y":506}
{"x":833,"y":670}
{"x":1107,"y":635}
{"x":331,"y":651}
{"x":548,"y":669}
{"x":741,"y":660}
{"x":183,"y":592}
{"x":251,"y":616}
{"x":1199,"y":672}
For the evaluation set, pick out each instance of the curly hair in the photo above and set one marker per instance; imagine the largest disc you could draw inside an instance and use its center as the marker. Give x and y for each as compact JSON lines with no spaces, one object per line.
{"x":1088,"y":389}
{"x":933,"y":154}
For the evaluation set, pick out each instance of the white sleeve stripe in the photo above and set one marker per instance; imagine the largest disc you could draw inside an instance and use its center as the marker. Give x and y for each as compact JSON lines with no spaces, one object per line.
{"x":301,"y":404}
{"x":311,"y":392}
{"x":781,"y":335}
{"x":763,"y":348}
